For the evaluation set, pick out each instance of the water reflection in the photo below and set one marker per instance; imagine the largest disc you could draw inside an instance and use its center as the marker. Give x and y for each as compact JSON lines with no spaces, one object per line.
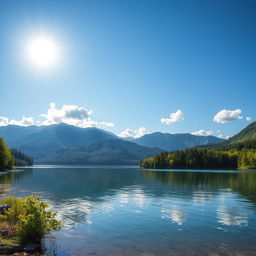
{"x":72,"y":211}
{"x":205,"y":185}
{"x":122,"y":211}
{"x":202,"y":197}
{"x":177,"y":216}
{"x":231,"y":216}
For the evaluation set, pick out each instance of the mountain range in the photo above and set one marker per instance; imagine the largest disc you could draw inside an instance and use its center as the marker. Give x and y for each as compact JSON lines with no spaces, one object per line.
{"x":67,"y":144}
{"x":169,"y":142}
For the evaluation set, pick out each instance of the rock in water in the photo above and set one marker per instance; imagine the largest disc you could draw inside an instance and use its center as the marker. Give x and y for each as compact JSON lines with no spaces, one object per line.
{"x":4,"y":207}
{"x":30,"y":248}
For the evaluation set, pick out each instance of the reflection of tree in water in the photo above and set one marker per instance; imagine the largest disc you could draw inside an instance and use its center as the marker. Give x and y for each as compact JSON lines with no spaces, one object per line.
{"x":74,"y":192}
{"x":7,"y":179}
{"x":242,"y":182}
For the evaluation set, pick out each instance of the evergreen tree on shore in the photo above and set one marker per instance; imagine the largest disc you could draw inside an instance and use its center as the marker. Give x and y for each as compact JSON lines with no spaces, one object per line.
{"x":6,"y":158}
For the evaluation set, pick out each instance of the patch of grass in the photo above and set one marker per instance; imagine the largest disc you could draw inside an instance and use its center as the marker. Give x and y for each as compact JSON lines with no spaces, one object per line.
{"x":12,"y":215}
{"x":9,"y":241}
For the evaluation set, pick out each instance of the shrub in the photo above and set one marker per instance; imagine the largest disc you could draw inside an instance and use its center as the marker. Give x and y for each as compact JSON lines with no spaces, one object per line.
{"x":29,"y":218}
{"x":36,"y":221}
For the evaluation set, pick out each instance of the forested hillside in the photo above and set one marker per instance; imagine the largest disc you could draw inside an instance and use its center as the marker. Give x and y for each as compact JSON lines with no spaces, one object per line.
{"x":238,"y":152}
{"x":116,"y":152}
{"x":202,"y":159}
{"x":20,"y":159}
{"x":43,"y":141}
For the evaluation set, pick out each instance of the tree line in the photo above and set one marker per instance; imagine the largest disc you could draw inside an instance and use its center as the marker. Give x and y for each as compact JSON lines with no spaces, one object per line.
{"x":222,"y":157}
{"x":20,"y":159}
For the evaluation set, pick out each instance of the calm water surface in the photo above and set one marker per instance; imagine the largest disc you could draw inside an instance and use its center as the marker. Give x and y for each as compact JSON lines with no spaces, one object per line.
{"x":123,"y":211}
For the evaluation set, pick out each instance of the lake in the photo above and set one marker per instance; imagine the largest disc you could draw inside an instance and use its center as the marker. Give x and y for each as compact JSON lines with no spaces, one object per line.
{"x":125,"y":211}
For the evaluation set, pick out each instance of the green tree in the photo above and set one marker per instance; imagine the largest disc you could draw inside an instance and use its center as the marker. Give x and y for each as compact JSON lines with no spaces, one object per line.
{"x":6,"y":158}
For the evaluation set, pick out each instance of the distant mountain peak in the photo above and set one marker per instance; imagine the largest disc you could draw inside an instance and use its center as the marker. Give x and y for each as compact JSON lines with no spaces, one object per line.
{"x":168,"y":142}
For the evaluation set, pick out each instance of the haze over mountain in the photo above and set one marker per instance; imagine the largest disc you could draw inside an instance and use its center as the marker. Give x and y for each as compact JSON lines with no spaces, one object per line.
{"x":110,"y":151}
{"x":168,"y":142}
{"x":63,"y":143}
{"x":42,"y":141}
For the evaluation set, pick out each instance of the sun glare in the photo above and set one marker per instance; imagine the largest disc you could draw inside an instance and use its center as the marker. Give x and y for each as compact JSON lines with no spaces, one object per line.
{"x":42,"y":52}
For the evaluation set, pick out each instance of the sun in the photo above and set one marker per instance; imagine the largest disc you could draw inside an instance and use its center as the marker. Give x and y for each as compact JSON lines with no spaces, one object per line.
{"x":42,"y":52}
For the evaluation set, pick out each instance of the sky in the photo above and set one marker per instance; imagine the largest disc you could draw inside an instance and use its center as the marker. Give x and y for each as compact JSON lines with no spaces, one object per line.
{"x":130,"y":67}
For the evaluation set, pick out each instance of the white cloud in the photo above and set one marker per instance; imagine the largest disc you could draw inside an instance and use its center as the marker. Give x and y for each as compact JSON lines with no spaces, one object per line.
{"x":73,"y":115}
{"x":248,"y":118}
{"x":225,"y":116}
{"x":25,"y":121}
{"x":107,"y":124}
{"x":129,"y":133}
{"x":4,"y":121}
{"x":202,"y":133}
{"x":174,"y":117}
{"x":69,"y":114}
{"x":221,"y":136}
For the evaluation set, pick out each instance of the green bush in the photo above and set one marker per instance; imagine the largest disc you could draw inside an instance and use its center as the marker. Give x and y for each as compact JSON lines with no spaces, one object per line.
{"x":36,"y":221}
{"x":29,"y":219}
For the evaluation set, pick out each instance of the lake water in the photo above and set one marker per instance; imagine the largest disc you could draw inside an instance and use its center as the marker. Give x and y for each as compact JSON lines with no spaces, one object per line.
{"x":125,"y":211}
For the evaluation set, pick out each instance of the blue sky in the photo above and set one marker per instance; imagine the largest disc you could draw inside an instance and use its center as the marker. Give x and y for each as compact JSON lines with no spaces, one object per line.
{"x":131,"y":63}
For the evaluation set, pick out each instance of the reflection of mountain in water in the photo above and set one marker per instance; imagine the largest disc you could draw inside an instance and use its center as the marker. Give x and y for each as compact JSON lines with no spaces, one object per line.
{"x":242,"y":182}
{"x":75,"y":192}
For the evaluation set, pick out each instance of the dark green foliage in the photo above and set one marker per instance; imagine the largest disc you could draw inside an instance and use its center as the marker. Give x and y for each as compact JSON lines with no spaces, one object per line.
{"x":193,"y":159}
{"x":20,"y":159}
{"x":247,"y":158}
{"x":246,"y":135}
{"x":6,"y":158}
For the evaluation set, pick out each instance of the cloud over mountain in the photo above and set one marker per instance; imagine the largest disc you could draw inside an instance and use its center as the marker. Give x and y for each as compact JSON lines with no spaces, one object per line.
{"x":129,"y":133}
{"x":202,"y":133}
{"x":69,"y":114}
{"x":25,"y":121}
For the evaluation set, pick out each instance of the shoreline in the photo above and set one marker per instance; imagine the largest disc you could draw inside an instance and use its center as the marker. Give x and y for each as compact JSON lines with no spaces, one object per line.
{"x":11,"y":171}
